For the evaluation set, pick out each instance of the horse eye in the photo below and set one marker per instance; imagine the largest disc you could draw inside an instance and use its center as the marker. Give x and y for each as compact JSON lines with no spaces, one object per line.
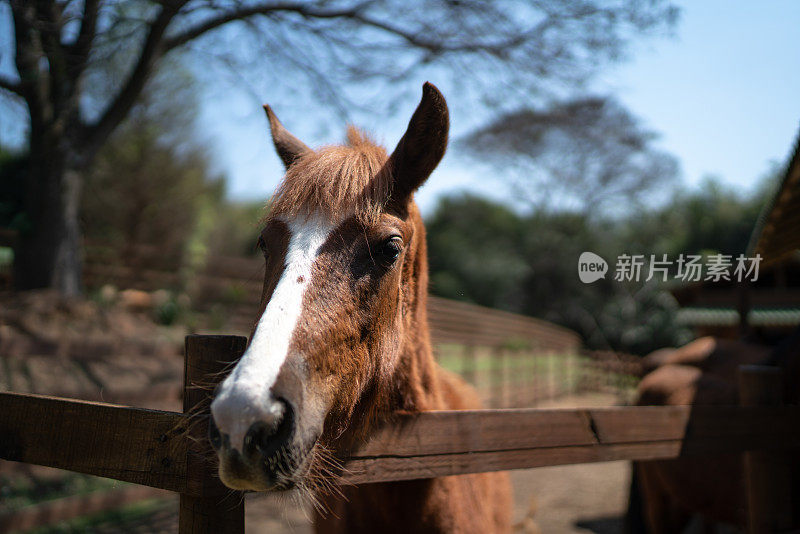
{"x":262,"y":245}
{"x":390,"y":249}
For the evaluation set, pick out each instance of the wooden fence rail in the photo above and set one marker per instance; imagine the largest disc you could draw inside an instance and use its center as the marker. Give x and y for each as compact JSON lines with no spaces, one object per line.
{"x":161,"y":449}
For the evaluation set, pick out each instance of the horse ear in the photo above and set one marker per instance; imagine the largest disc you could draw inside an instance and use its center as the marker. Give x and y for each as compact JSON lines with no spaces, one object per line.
{"x":288,"y":146}
{"x":422,"y":146}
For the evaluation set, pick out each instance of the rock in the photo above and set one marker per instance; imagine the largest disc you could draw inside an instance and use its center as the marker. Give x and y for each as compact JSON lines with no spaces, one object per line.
{"x":134,"y":299}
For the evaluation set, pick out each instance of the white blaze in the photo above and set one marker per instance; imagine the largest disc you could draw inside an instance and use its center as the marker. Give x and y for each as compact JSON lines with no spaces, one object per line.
{"x":244,"y":397}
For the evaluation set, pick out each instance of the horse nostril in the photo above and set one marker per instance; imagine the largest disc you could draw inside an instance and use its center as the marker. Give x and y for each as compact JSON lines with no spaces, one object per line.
{"x":257,"y":435}
{"x":213,"y":434}
{"x":269,"y":439}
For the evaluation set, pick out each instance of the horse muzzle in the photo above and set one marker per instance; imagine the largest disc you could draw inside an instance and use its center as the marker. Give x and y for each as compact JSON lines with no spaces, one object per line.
{"x":260,"y":458}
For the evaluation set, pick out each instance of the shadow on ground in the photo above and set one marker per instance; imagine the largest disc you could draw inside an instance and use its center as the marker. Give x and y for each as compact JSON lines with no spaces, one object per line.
{"x":602,"y":525}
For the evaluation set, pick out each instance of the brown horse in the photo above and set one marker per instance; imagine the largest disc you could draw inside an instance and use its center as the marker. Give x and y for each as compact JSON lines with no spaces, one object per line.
{"x":700,"y":373}
{"x":342,"y":343}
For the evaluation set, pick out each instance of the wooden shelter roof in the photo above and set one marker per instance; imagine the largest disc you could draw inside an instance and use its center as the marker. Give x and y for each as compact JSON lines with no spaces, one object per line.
{"x":777,"y":233}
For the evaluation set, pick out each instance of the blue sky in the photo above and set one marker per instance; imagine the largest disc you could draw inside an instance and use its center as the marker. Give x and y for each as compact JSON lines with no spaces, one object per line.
{"x":724,"y":92}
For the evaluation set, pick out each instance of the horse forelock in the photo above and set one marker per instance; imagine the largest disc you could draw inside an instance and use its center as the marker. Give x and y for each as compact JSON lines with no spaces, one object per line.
{"x":336,"y":182}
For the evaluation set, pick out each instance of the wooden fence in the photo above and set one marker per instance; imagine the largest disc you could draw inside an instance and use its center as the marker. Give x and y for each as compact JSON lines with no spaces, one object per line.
{"x":512,"y":360}
{"x":521,"y":377}
{"x":165,"y":449}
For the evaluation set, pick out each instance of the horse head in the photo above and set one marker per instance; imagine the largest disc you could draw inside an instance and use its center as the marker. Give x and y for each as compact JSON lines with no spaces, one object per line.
{"x":342,"y":308}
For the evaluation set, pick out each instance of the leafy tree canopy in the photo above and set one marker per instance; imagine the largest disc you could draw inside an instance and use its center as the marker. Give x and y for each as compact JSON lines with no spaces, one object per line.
{"x":483,"y":252}
{"x":588,"y":153}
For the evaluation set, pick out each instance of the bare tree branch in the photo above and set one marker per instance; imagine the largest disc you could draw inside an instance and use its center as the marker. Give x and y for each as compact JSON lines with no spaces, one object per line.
{"x":356,"y":13}
{"x":262,"y":9}
{"x":28,"y":52}
{"x":11,"y":86}
{"x":582,"y":153}
{"x":79,"y":51}
{"x":440,"y":46}
{"x":156,"y":46}
{"x":49,"y":25}
{"x":119,"y":107}
{"x":507,"y":39}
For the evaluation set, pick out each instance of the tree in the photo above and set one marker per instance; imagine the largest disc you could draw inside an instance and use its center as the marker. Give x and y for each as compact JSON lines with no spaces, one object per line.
{"x":60,"y":44}
{"x":151,"y":179}
{"x":716,"y":218}
{"x":235,"y":228}
{"x":581,"y":154}
{"x":480,"y":251}
{"x":144,"y":197}
{"x":474,"y":252}
{"x":483,"y":252}
{"x":12,"y":190}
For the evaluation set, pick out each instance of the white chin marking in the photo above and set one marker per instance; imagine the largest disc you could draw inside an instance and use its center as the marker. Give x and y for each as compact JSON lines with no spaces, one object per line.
{"x":244,"y":397}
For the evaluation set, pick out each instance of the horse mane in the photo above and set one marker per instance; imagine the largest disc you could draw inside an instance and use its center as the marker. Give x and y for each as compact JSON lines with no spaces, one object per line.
{"x":337,"y":181}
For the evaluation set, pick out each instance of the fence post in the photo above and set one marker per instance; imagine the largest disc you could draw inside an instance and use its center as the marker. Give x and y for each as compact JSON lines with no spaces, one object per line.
{"x":212,"y":508}
{"x":496,"y":373}
{"x":768,"y":480}
{"x":471,"y":364}
{"x":508,"y":372}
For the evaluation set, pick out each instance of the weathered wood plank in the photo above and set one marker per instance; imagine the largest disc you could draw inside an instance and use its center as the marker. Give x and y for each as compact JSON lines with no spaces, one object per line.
{"x":361,"y":470}
{"x":702,"y":428}
{"x":213,"y":509}
{"x":131,"y":444}
{"x":449,"y":443}
{"x":443,"y":432}
{"x":150,"y":447}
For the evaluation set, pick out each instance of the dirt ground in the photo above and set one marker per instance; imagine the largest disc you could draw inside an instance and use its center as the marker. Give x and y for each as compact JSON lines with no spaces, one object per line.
{"x":560,"y":500}
{"x":573,"y":498}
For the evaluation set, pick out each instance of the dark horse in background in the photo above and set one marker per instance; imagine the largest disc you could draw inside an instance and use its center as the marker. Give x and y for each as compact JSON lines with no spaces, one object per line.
{"x":342,"y":342}
{"x":667,"y":494}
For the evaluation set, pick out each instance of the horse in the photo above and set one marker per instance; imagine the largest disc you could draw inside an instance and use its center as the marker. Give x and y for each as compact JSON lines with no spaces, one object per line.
{"x":716,"y":356}
{"x":666,"y":494}
{"x":342,"y":343}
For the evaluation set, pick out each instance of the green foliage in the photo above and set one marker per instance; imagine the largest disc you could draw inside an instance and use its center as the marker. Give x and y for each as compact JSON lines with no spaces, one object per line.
{"x":236,"y":228}
{"x":167,"y":313}
{"x":471,"y":246}
{"x":133,"y":517}
{"x":141,"y":192}
{"x":18,"y":492}
{"x":151,"y":184}
{"x":12,"y":190}
{"x":712,"y":219}
{"x":483,"y":252}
